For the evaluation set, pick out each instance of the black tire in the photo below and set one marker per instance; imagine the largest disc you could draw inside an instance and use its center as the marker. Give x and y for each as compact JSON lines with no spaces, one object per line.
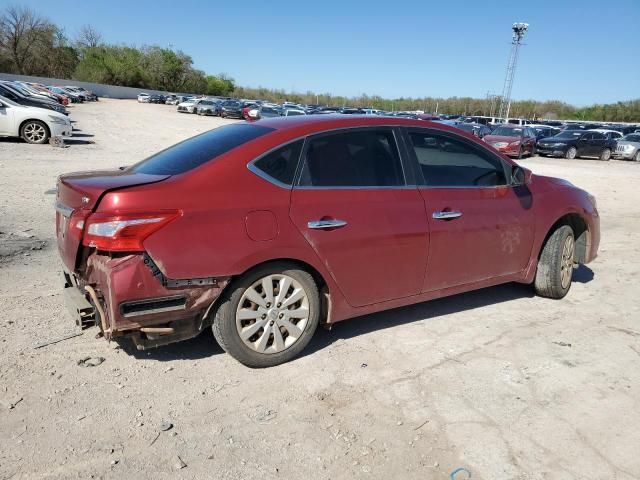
{"x":636,"y":157}
{"x":533,"y":151}
{"x":224,"y":324}
{"x":34,"y":124}
{"x":571,"y":153}
{"x":605,"y":156}
{"x":548,"y":282}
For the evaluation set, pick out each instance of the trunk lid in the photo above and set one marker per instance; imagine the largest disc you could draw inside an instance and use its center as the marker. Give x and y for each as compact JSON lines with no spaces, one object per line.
{"x":78,"y":195}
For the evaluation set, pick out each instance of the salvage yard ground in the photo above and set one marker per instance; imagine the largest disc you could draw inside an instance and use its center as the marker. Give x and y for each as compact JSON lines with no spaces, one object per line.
{"x":500,"y":382}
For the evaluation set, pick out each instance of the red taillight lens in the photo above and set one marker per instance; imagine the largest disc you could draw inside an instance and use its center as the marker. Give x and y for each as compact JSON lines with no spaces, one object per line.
{"x":124,"y":232}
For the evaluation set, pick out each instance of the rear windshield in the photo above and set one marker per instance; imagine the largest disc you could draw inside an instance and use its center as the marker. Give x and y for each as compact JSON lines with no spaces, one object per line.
{"x":198,"y":150}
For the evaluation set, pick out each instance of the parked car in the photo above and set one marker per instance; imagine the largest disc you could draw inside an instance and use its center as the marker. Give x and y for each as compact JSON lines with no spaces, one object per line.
{"x":188,"y":106}
{"x":577,"y":143}
{"x":263,"y":111}
{"x":32,"y":124}
{"x":74,"y":98}
{"x":144,"y":98}
{"x":231,"y":109}
{"x":156,"y":98}
{"x":477,"y":129}
{"x":60,"y":98}
{"x":14,"y":94}
{"x":512,"y":140}
{"x":544,"y":131}
{"x":246,"y":107}
{"x":171,"y":99}
{"x":241,"y":230}
{"x":83,"y":92}
{"x":291,"y":112}
{"x":608,"y":134}
{"x":209,"y":107}
{"x":628,"y":148}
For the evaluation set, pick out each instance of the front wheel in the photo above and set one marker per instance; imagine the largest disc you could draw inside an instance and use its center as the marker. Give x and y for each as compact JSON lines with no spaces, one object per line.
{"x":571,"y":153}
{"x":34,"y":131}
{"x":555,"y":266}
{"x":636,"y":157}
{"x":268,"y":315}
{"x":605,"y":155}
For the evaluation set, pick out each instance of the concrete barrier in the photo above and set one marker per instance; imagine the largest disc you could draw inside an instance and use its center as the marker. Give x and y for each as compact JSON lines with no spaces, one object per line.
{"x":110,"y":91}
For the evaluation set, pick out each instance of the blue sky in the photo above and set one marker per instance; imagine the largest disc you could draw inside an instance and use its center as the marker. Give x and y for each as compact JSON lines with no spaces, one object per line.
{"x":579,"y":51}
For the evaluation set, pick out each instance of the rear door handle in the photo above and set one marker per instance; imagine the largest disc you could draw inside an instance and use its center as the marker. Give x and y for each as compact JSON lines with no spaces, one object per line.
{"x":446,"y":215}
{"x":325,"y":224}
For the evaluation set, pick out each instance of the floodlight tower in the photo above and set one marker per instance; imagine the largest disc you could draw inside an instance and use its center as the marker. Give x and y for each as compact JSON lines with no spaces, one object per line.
{"x":519,"y":30}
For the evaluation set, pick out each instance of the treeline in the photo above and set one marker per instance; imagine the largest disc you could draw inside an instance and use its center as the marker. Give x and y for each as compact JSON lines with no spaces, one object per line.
{"x":32,"y":45}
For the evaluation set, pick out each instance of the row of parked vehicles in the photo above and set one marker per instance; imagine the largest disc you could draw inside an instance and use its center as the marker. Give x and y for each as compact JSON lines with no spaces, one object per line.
{"x":557,"y":139}
{"x":515,"y":137}
{"x":36,"y":112}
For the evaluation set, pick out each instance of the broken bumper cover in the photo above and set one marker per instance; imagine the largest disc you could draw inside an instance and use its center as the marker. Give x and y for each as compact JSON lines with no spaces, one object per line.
{"x":138,"y":301}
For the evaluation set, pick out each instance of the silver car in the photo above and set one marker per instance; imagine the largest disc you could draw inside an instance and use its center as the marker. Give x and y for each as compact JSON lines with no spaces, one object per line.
{"x":628,"y":148}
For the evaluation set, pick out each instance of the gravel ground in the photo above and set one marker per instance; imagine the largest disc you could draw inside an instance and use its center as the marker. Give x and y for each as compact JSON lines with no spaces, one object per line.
{"x":498,"y":381}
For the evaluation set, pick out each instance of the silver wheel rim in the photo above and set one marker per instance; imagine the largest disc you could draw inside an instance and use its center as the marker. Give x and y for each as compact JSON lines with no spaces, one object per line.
{"x":606,"y":154}
{"x":34,"y":132}
{"x":272,"y":314}
{"x":572,"y":153}
{"x":566,"y":269}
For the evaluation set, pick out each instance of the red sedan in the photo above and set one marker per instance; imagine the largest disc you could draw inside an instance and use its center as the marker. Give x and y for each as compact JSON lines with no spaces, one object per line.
{"x":265,"y":230}
{"x":513,"y":140}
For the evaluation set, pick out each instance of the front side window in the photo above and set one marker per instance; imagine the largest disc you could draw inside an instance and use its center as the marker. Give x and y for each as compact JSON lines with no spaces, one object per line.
{"x":449,"y":162}
{"x":358,"y":158}
{"x":281,"y":163}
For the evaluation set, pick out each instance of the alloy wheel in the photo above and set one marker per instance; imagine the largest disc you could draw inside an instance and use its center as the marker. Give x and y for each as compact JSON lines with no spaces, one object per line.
{"x":566,"y":264}
{"x":272,"y":314}
{"x":34,"y":133}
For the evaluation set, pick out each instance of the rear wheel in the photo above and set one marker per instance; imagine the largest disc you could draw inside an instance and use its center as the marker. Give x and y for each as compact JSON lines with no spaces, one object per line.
{"x":34,"y":131}
{"x":605,"y":155}
{"x":571,"y":153}
{"x":555,"y":266}
{"x":636,"y":157}
{"x":268,"y":315}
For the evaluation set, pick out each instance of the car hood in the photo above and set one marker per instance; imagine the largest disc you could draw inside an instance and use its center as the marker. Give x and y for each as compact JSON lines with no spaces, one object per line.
{"x":500,"y":138}
{"x":627,"y":142}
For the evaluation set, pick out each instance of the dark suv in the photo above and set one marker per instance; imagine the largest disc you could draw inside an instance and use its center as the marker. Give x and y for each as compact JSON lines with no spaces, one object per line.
{"x":577,"y":143}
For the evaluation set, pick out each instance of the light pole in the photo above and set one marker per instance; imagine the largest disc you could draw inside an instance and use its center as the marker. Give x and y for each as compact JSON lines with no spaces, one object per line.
{"x":519,"y":30}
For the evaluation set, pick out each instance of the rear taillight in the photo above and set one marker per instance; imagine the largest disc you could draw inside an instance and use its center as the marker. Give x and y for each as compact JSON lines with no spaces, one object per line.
{"x":124,"y":232}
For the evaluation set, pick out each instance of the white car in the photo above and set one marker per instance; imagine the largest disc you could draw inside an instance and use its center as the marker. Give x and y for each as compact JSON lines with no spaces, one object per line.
{"x":143,"y":98}
{"x":189,"y":106}
{"x":32,"y":124}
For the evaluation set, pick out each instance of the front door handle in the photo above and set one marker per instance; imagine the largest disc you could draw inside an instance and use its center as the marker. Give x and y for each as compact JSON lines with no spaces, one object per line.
{"x":446,"y":215}
{"x":326,"y":224}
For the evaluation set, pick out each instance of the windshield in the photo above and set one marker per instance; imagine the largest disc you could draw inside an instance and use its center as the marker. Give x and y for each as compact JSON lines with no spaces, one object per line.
{"x":198,"y":150}
{"x":231,"y":103}
{"x":570,"y":134}
{"x":294,"y":112}
{"x":632,"y":137}
{"x":507,"y":132}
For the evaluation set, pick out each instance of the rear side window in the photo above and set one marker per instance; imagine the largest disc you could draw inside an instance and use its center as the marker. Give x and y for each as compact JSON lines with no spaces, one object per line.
{"x":280,"y":164}
{"x":198,"y":150}
{"x":360,"y":158}
{"x":448,"y":162}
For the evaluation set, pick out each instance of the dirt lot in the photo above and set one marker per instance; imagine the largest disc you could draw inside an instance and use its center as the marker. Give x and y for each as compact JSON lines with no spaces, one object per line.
{"x":499,"y":382}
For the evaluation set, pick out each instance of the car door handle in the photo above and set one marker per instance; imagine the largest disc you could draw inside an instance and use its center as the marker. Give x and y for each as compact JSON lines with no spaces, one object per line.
{"x":325,"y":224}
{"x":446,"y":215}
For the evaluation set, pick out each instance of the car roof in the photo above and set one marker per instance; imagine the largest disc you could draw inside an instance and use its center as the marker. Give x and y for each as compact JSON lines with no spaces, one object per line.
{"x":315,"y":123}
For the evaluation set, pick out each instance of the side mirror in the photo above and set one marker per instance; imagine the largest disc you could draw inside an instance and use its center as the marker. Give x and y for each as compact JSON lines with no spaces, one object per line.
{"x":520,"y":176}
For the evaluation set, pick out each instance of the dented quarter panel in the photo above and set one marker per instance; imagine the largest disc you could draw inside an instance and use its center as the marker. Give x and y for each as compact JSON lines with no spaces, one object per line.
{"x":128,"y":278}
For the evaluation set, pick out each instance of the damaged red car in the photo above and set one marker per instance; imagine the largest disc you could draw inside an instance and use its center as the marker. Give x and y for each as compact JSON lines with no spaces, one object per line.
{"x":263,"y":231}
